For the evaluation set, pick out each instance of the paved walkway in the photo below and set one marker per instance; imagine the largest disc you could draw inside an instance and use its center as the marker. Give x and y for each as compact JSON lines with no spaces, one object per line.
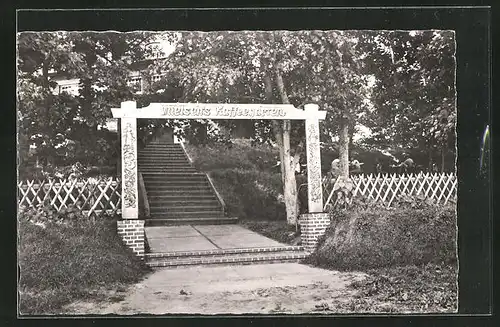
{"x":263,"y":288}
{"x":204,"y":237}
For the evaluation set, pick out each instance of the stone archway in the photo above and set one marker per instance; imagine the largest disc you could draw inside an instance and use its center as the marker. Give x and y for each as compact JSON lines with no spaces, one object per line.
{"x":131,"y":228}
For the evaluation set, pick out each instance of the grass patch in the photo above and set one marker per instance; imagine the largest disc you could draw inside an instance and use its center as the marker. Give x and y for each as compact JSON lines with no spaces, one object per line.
{"x":246,"y":177}
{"x":428,"y":288}
{"x":409,"y":253}
{"x":60,"y":264}
{"x":279,"y":231}
{"x":374,"y":236}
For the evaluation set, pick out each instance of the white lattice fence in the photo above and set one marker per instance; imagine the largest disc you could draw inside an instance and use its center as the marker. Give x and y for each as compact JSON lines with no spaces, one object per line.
{"x":442,"y":188}
{"x":92,"y":196}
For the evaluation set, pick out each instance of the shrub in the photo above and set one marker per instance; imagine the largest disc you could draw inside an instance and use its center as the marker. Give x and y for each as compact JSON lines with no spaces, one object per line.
{"x":62,"y":262}
{"x":239,"y":155}
{"x":371,"y":236}
{"x":250,"y":194}
{"x":280,"y":231}
{"x":247,"y":178}
{"x":46,"y":214}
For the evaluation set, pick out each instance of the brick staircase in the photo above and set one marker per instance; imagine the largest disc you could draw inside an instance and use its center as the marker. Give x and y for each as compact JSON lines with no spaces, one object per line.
{"x":226,"y":257}
{"x":177,"y":193}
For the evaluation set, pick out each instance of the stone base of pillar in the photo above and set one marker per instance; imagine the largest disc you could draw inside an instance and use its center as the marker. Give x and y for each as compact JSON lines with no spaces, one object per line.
{"x":131,"y":232}
{"x":312,"y":226}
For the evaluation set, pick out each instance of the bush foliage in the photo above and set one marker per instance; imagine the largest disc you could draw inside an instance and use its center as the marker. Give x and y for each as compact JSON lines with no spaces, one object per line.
{"x":250,"y":194}
{"x":245,"y":176}
{"x":62,"y":262}
{"x":413,"y":232}
{"x":238,"y":155}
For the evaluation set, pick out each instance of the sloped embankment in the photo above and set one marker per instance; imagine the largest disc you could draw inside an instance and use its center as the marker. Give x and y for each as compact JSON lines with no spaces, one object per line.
{"x":374,"y":236}
{"x":59,"y":264}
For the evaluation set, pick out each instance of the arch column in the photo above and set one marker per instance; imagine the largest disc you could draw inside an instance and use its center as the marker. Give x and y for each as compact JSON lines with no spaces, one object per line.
{"x":130,"y":193}
{"x":314,"y":223}
{"x":130,"y":228}
{"x":313,"y":154}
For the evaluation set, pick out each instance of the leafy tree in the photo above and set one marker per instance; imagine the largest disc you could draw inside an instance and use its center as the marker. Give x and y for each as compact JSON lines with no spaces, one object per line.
{"x":38,"y":54}
{"x":414,"y":94}
{"x":67,"y":127}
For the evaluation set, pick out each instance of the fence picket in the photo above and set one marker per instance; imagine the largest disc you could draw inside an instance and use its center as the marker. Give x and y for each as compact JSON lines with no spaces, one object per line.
{"x":440,"y":188}
{"x":395,"y":192}
{"x":453,"y":189}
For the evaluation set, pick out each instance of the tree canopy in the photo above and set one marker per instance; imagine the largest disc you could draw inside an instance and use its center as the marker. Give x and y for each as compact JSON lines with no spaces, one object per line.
{"x":399,"y":84}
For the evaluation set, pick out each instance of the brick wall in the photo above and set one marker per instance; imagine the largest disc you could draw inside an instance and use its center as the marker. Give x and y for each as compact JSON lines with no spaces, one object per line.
{"x":132,"y":233}
{"x":312,"y":226}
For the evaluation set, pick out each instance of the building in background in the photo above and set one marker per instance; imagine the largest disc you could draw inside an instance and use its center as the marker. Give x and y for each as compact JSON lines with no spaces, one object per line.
{"x":137,"y":80}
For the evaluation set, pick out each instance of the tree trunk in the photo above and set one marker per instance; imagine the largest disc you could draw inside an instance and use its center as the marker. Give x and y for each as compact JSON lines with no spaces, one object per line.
{"x":290,"y":188}
{"x":351,"y":135}
{"x":277,"y":126}
{"x":344,"y":148}
{"x":290,"y":185}
{"x":278,"y":134}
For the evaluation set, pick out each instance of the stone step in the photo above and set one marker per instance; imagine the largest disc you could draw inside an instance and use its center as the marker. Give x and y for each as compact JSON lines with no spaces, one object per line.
{"x":165,"y":164}
{"x":229,"y":259}
{"x":158,"y":207}
{"x":161,"y":147}
{"x":188,"y":214}
{"x":161,"y":150}
{"x":162,"y":159}
{"x":166,"y":191}
{"x":194,"y":182}
{"x":169,"y":192}
{"x":180,"y":189}
{"x":163,"y":221}
{"x":174,"y":174}
{"x":175,"y":186}
{"x":168,"y":170}
{"x":171,"y":188}
{"x":158,"y":155}
{"x":181,"y":198}
{"x":186,"y":201}
{"x":164,"y":144}
{"x":176,"y":177}
{"x":172,"y":164}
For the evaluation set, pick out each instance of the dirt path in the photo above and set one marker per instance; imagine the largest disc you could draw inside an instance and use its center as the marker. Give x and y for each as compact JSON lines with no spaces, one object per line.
{"x":266,"y":288}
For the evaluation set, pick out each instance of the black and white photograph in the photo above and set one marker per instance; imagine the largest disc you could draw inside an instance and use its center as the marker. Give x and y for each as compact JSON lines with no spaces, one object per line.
{"x":263,"y":172}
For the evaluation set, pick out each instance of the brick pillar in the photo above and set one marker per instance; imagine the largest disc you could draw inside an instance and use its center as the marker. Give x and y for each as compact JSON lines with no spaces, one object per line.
{"x":312,"y":226}
{"x":131,"y":232}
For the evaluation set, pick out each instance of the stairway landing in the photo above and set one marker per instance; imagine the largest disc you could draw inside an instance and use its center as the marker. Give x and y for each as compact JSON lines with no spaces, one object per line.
{"x":174,"y":246}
